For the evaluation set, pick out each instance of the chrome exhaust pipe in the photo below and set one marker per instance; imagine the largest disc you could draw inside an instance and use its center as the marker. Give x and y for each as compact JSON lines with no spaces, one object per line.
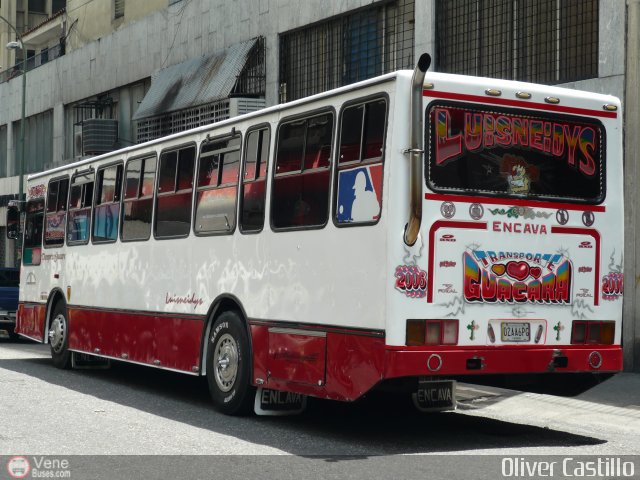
{"x":415,"y":151}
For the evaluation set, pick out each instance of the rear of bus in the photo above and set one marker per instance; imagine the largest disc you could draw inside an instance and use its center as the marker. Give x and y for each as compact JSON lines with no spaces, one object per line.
{"x":517,"y":264}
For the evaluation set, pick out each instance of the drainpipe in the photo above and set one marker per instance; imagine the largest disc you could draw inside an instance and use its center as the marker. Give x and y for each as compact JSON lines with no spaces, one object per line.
{"x":415,"y":151}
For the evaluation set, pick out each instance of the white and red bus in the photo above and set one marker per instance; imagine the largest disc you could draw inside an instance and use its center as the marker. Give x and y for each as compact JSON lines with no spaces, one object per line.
{"x":413,"y":226}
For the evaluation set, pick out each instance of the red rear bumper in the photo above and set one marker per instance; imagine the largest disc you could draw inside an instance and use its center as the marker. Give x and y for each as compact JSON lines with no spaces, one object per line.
{"x":407,"y":362}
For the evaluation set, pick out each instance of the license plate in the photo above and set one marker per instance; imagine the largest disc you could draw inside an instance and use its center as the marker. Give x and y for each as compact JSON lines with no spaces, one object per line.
{"x":274,"y":402}
{"x":516,"y":332}
{"x":435,"y":396}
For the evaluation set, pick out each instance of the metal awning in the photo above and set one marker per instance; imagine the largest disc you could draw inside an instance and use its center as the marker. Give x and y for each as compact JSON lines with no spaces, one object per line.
{"x":195,"y":82}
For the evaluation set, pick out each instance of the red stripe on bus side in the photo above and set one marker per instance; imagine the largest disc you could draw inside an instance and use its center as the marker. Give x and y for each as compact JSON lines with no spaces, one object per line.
{"x":513,"y":201}
{"x":519,"y":103}
{"x":156,"y":339}
{"x":432,"y":245}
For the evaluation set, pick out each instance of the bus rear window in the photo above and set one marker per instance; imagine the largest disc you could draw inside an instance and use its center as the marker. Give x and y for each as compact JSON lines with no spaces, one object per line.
{"x":513,"y":153}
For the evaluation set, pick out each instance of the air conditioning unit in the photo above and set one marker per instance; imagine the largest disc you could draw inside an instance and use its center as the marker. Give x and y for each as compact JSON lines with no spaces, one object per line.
{"x":99,"y":135}
{"x":242,"y":105}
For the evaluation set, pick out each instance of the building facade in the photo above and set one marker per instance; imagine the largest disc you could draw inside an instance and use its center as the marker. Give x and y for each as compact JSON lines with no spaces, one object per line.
{"x":100,"y":73}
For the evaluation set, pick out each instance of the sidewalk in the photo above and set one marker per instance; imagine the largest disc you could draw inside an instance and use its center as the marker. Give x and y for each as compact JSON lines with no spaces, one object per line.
{"x":611,"y":406}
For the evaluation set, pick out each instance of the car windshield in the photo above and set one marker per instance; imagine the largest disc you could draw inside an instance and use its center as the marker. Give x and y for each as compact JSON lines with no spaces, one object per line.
{"x":9,"y":277}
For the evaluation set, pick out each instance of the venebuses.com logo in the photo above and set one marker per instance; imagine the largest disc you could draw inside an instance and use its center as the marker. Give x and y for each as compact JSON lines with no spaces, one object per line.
{"x":38,"y":467}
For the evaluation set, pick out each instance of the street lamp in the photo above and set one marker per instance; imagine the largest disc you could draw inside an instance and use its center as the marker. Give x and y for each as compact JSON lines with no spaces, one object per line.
{"x":19,"y":44}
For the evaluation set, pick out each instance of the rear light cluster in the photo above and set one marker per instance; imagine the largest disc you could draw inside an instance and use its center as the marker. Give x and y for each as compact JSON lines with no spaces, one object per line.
{"x":432,"y":332}
{"x":588,"y":332}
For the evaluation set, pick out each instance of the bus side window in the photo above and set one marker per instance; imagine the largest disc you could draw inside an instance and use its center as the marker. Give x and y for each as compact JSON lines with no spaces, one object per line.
{"x":80,"y":200}
{"x":360,"y":163}
{"x":106,"y":215}
{"x":138,"y":199}
{"x":56,"y":216}
{"x":174,"y":193}
{"x":301,"y":179}
{"x":254,"y":182}
{"x":218,"y":173}
{"x":33,"y":225}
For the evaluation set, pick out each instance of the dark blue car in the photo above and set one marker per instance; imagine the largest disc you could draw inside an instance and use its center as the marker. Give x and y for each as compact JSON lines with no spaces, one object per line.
{"x":9,"y":287}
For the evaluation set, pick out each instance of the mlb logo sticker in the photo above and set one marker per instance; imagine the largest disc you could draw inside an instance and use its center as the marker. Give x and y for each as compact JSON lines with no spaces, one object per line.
{"x":359,"y":194}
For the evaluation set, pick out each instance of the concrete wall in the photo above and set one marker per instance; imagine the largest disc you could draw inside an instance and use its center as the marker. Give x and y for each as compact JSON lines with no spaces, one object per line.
{"x":93,"y":19}
{"x":184,"y":30}
{"x":631,"y":327}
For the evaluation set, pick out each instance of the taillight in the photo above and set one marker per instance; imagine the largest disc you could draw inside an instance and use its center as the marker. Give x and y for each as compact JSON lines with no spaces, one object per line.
{"x":432,"y":332}
{"x":588,"y":332}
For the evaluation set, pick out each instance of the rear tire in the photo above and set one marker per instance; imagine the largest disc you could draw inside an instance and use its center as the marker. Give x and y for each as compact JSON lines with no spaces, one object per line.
{"x":228,"y":365}
{"x":59,"y":337}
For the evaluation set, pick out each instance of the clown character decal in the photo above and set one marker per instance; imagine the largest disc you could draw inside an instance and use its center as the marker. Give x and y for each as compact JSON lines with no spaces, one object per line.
{"x":519,"y":174}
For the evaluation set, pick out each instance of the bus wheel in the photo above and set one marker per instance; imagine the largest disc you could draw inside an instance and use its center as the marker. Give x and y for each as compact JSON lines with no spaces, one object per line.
{"x":59,"y":337}
{"x":228,"y":367}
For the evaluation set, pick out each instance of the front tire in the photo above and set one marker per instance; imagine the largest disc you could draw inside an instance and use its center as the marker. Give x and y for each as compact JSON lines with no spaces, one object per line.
{"x":59,"y":337}
{"x":228,"y":365}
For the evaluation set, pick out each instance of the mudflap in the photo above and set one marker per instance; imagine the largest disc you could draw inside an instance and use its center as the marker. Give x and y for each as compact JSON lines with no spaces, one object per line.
{"x":435,"y":395}
{"x":83,"y":361}
{"x":274,"y":402}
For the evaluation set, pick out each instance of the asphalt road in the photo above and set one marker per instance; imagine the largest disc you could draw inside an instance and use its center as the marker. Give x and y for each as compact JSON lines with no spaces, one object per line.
{"x":132,"y":410}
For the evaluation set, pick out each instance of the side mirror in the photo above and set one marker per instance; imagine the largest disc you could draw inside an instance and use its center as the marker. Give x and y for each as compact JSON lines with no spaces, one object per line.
{"x":13,"y":222}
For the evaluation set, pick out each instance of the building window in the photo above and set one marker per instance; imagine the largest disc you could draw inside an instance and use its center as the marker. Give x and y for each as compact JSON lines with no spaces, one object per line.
{"x":80,"y":200}
{"x":118,"y":8}
{"x":38,"y":142}
{"x":56,"y":216}
{"x":138,"y":199}
{"x":217,"y":186}
{"x":175,"y":187}
{"x":545,"y":41}
{"x":345,"y":49}
{"x":254,"y":181}
{"x":301,"y":179}
{"x":57,"y":5}
{"x":3,"y":151}
{"x":106,"y":217}
{"x":37,"y":6}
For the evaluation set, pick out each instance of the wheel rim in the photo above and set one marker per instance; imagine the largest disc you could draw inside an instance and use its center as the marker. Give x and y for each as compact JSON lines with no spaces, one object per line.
{"x":58,"y":333}
{"x":226,"y":361}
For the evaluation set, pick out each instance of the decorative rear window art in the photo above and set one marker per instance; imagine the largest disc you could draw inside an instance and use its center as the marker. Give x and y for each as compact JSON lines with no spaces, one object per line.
{"x":515,"y":153}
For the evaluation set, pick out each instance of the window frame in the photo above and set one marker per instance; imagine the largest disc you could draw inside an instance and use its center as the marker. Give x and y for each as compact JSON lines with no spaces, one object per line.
{"x":89,"y":171}
{"x":151,"y":154}
{"x":234,"y":132}
{"x":334,"y":197}
{"x":290,"y":119}
{"x":255,"y":128}
{"x":46,"y":212}
{"x":24,"y":233}
{"x":506,"y":196}
{"x":101,"y":168}
{"x":156,"y":195}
